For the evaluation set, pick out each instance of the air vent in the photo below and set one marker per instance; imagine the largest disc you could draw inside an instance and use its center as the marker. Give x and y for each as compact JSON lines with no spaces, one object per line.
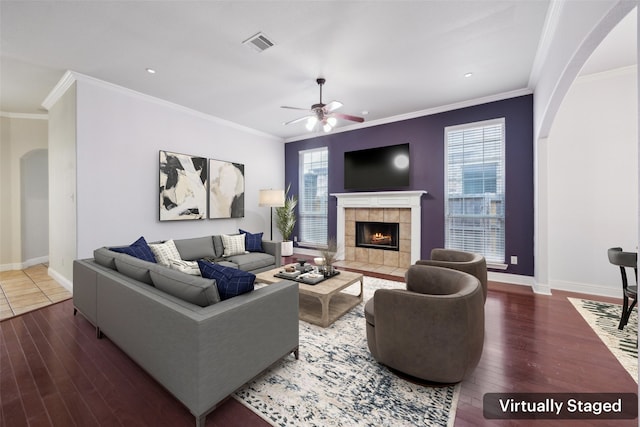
{"x":259,"y":42}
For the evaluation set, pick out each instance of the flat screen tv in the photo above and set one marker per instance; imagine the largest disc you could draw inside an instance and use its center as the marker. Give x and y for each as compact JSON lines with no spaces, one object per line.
{"x":381,"y":168}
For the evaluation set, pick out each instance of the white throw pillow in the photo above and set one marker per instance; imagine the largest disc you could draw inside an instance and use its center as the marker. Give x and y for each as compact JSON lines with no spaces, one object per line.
{"x":164,"y":252}
{"x":189,"y":267}
{"x":233,"y":245}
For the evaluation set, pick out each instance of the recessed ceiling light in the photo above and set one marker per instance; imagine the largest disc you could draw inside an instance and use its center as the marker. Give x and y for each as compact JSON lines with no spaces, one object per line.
{"x":468,"y":75}
{"x":151,"y":71}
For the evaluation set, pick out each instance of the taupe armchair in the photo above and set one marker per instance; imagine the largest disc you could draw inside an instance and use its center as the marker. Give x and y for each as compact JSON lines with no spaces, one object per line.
{"x":433,"y":330}
{"x":474,"y":264}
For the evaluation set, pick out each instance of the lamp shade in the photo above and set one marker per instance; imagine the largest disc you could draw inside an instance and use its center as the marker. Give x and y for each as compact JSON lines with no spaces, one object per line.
{"x":271,"y":198}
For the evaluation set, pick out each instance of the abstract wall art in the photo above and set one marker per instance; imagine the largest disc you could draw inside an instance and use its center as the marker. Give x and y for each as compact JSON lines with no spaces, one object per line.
{"x":226,"y":189}
{"x":183,"y":186}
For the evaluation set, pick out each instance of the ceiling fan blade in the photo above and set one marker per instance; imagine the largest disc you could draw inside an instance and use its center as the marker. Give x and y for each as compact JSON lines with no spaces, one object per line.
{"x":294,"y":108}
{"x":298,"y":120}
{"x":348,"y":117}
{"x":333,"y":105}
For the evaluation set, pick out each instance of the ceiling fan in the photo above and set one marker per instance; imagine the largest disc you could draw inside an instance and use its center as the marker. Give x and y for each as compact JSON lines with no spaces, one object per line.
{"x":322,"y":115}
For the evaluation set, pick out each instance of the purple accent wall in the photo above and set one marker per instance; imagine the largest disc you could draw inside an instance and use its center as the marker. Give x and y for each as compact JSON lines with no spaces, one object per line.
{"x":426,"y":137}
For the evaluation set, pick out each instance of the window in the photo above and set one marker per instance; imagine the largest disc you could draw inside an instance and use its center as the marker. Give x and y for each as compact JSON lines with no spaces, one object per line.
{"x":313,"y":197}
{"x":474,"y":189}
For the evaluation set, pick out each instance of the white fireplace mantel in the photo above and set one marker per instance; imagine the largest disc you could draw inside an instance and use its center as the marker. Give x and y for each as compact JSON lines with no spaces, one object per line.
{"x":382,"y":199}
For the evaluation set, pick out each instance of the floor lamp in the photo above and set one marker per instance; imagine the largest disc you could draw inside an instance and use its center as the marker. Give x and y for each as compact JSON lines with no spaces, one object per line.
{"x":271,"y":199}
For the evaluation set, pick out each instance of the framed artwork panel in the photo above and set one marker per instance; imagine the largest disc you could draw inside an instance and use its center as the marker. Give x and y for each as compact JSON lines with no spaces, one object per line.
{"x":226,"y":189}
{"x":183,"y":186}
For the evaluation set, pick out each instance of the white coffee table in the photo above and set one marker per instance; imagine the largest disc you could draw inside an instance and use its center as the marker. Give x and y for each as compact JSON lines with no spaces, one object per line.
{"x":323,"y":303}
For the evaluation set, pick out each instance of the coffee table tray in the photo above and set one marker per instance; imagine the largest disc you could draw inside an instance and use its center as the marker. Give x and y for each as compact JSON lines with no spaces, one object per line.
{"x":306,"y":278}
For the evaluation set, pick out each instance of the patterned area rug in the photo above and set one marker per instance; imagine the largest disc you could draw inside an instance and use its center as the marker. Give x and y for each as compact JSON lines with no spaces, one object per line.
{"x":336,"y":382}
{"x":603,"y":318}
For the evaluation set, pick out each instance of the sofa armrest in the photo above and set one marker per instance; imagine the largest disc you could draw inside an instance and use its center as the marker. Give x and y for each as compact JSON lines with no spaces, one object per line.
{"x":275,"y":249}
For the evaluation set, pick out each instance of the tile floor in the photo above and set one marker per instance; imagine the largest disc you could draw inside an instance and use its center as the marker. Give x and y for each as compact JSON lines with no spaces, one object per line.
{"x":29,"y":289}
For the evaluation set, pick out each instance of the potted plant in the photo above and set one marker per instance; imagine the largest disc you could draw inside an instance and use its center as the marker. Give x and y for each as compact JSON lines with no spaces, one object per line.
{"x":286,"y":221}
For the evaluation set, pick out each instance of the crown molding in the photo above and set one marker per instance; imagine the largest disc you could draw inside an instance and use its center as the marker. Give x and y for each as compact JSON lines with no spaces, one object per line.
{"x":602,"y":75}
{"x":71,"y":76}
{"x":544,"y":45}
{"x":421,"y":113}
{"x":29,"y":116}
{"x":59,"y":89}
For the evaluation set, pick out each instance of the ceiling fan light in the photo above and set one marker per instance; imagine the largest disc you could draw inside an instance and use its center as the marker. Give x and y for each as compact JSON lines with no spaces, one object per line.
{"x":327,"y":127}
{"x":311,"y":123}
{"x":332,"y":121}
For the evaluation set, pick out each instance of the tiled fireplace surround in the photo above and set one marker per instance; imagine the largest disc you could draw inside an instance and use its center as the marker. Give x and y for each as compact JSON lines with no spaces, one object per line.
{"x":393,"y":206}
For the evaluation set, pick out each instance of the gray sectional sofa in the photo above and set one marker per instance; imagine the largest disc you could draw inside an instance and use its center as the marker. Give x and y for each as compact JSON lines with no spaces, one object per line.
{"x":176,"y":328}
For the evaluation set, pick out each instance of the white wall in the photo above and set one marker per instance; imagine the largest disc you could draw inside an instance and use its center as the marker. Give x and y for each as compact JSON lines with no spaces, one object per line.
{"x":593,"y":181}
{"x":62,"y":187}
{"x":566,"y":45}
{"x":19,"y":136}
{"x":34,"y":205}
{"x":119,"y":137}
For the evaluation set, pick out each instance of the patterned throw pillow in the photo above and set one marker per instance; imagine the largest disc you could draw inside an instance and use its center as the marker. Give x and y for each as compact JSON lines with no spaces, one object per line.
{"x":233,"y":245}
{"x":252,"y":242}
{"x":165,"y":252}
{"x":139,"y":249}
{"x":188,"y":267}
{"x":230,"y":281}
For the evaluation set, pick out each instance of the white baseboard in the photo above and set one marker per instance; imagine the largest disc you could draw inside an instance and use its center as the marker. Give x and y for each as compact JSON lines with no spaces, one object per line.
{"x":66,"y":283}
{"x":547,"y":288}
{"x":24,"y":264}
{"x":588,"y":288}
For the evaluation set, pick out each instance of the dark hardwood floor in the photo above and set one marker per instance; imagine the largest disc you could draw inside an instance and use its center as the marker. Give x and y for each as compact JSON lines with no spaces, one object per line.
{"x":54,"y":372}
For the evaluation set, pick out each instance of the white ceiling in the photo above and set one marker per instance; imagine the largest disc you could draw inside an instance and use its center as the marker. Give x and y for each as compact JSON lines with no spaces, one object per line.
{"x":390,"y":58}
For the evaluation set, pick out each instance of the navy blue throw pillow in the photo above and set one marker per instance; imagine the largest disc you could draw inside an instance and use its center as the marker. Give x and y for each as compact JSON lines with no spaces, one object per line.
{"x":231,"y":282}
{"x":139,"y":249}
{"x":252,"y":242}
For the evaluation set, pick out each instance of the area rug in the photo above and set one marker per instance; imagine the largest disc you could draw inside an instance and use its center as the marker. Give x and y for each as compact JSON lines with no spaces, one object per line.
{"x":604,"y":318}
{"x":336,"y":382}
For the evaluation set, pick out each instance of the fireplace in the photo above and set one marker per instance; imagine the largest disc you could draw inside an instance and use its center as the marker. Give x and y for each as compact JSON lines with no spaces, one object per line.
{"x":400,"y":207}
{"x":378,"y":235}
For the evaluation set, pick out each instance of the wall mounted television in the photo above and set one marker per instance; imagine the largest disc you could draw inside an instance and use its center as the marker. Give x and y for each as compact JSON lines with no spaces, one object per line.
{"x":377,"y":168}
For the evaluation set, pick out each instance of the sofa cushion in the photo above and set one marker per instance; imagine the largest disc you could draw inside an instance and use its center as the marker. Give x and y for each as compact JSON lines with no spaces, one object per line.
{"x":252,"y":241}
{"x":139,"y":249}
{"x":230,"y":281}
{"x":196,"y":248}
{"x":218,"y":245}
{"x":105,"y":257}
{"x":163,"y":252}
{"x":193,"y":289}
{"x":252,"y":261}
{"x":187,"y":267}
{"x":233,"y":245}
{"x":134,"y":268}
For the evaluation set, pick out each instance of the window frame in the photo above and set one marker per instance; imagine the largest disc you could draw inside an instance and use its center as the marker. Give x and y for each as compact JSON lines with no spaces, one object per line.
{"x":318,"y":218}
{"x":489,"y":207}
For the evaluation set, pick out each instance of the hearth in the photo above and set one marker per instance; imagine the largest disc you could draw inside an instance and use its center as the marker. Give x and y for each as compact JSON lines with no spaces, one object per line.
{"x":377,"y":235}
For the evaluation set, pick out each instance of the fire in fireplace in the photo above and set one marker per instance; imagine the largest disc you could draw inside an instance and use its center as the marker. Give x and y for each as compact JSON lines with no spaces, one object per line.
{"x":377,"y":235}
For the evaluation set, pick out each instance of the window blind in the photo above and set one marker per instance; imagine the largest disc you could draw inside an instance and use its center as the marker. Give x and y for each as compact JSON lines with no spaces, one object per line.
{"x":313,"y":197}
{"x":474,"y":188}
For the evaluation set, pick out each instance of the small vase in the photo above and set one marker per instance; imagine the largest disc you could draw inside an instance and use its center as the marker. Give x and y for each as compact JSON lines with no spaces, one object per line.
{"x":287,"y":248}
